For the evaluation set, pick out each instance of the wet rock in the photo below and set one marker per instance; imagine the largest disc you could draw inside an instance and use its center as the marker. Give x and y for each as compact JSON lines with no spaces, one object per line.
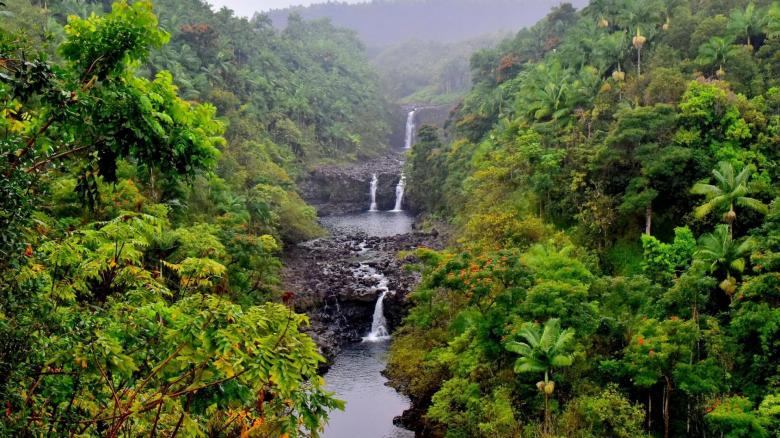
{"x":334,"y":190}
{"x":334,"y":286}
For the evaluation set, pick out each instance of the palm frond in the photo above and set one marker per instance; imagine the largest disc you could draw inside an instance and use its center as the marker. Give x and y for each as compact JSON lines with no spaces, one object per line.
{"x":562,"y":360}
{"x":520,"y":348}
{"x":753,"y":204}
{"x":564,"y":340}
{"x":529,"y":365}
{"x":552,"y":329}
{"x":706,"y":190}
{"x":704,"y":209}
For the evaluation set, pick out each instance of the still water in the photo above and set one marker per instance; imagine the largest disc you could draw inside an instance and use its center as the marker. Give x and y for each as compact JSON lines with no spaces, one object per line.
{"x":371,"y":406}
{"x":376,"y":223}
{"x":355,"y":375}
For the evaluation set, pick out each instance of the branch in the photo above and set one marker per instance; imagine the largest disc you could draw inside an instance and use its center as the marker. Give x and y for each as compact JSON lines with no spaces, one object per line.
{"x":108,"y":381}
{"x":154,"y":371}
{"x":54,"y":157}
{"x":31,"y":142}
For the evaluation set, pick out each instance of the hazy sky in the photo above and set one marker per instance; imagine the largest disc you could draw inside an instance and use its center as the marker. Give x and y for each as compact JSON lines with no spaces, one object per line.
{"x":249,"y":7}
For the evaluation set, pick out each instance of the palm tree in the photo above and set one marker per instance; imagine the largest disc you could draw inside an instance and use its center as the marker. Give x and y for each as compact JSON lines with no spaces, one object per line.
{"x":636,"y":14}
{"x":731,"y":189}
{"x":669,"y":7}
{"x":722,"y":253}
{"x":609,"y":51}
{"x":772,"y":22}
{"x":541,"y":353}
{"x":638,"y":41}
{"x":716,"y":51}
{"x":747,"y":22}
{"x":546,"y":93}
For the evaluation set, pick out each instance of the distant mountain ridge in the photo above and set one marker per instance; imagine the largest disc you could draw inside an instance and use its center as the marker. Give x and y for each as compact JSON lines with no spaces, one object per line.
{"x":384,"y":22}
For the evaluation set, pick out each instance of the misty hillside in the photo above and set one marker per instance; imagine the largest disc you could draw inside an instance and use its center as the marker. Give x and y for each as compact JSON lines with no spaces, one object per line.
{"x":384,"y":22}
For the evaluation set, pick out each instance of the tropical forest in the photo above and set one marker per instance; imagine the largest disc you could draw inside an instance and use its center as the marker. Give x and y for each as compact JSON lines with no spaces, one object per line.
{"x":390,"y":218}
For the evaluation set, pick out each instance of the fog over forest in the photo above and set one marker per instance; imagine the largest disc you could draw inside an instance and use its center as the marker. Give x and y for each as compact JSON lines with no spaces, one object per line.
{"x":384,"y":22}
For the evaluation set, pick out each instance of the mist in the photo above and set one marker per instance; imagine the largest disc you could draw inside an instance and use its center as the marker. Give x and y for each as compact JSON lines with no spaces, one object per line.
{"x":383,"y":23}
{"x":249,"y":7}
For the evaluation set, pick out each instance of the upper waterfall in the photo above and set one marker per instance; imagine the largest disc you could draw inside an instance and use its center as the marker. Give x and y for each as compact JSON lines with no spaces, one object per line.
{"x":410,"y":127}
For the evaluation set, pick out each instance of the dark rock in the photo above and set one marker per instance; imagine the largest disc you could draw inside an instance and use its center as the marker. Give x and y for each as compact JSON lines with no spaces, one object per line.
{"x":334,"y":190}
{"x":340,"y":304}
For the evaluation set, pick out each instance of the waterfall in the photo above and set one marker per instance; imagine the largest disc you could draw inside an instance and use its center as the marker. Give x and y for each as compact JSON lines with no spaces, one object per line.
{"x":399,"y":194}
{"x":379,"y":323}
{"x":410,"y":129}
{"x":374,"y":184}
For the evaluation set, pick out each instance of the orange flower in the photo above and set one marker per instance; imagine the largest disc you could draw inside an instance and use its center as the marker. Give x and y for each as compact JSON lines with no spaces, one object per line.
{"x":28,"y":251}
{"x":640,"y":340}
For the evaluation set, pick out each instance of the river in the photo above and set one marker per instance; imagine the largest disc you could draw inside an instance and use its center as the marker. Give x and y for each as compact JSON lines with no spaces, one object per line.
{"x":355,"y":375}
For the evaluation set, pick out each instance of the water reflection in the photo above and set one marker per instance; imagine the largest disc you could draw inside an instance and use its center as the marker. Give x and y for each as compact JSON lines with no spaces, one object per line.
{"x":371,"y":406}
{"x":379,"y":223}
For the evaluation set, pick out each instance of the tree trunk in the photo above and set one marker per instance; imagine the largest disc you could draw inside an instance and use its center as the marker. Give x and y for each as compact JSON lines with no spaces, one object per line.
{"x":546,"y":405}
{"x":667,"y":396}
{"x":649,"y":219}
{"x":639,"y":62}
{"x":546,"y":414}
{"x":649,"y":408}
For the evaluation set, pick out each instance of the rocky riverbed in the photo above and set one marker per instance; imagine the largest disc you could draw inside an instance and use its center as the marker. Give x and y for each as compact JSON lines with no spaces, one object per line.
{"x":329,"y":285}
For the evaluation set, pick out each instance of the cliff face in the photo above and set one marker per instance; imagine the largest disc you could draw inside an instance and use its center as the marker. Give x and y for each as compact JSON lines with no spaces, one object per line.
{"x":338,"y":190}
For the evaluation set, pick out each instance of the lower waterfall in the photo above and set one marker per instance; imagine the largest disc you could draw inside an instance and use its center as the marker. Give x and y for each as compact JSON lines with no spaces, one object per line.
{"x":372,"y":188}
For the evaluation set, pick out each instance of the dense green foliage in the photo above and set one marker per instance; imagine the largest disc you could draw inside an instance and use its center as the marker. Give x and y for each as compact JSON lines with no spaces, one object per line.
{"x":307,"y":88}
{"x":612,"y":181}
{"x":146,"y":192}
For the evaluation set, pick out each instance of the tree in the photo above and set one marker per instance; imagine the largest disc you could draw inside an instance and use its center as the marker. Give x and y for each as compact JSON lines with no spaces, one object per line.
{"x":635,"y":15}
{"x":638,"y":41}
{"x":126,"y":320}
{"x":542,"y":352}
{"x":649,"y":167}
{"x":654,"y":355}
{"x":724,"y":254}
{"x":425,"y":171}
{"x":663,"y":262}
{"x":716,"y":51}
{"x":734,"y":417}
{"x":747,"y":22}
{"x":731,"y":189}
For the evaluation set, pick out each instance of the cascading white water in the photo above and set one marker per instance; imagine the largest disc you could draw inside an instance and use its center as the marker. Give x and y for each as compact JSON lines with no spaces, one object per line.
{"x":399,"y":194}
{"x":410,"y":129}
{"x":379,"y":323}
{"x":379,"y":330}
{"x":374,"y":185}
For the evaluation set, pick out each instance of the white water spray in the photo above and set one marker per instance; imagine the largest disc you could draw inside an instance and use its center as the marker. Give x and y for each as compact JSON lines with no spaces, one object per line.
{"x":374,"y":184}
{"x":379,"y":323}
{"x":399,"y":194}
{"x":379,"y":330}
{"x":410,"y":129}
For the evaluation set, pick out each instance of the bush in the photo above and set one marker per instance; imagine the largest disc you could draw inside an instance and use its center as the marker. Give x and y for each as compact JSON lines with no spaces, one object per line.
{"x":606,"y":414}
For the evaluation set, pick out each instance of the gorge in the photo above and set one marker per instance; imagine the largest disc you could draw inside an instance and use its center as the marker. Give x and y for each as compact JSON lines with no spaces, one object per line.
{"x":354,"y":288}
